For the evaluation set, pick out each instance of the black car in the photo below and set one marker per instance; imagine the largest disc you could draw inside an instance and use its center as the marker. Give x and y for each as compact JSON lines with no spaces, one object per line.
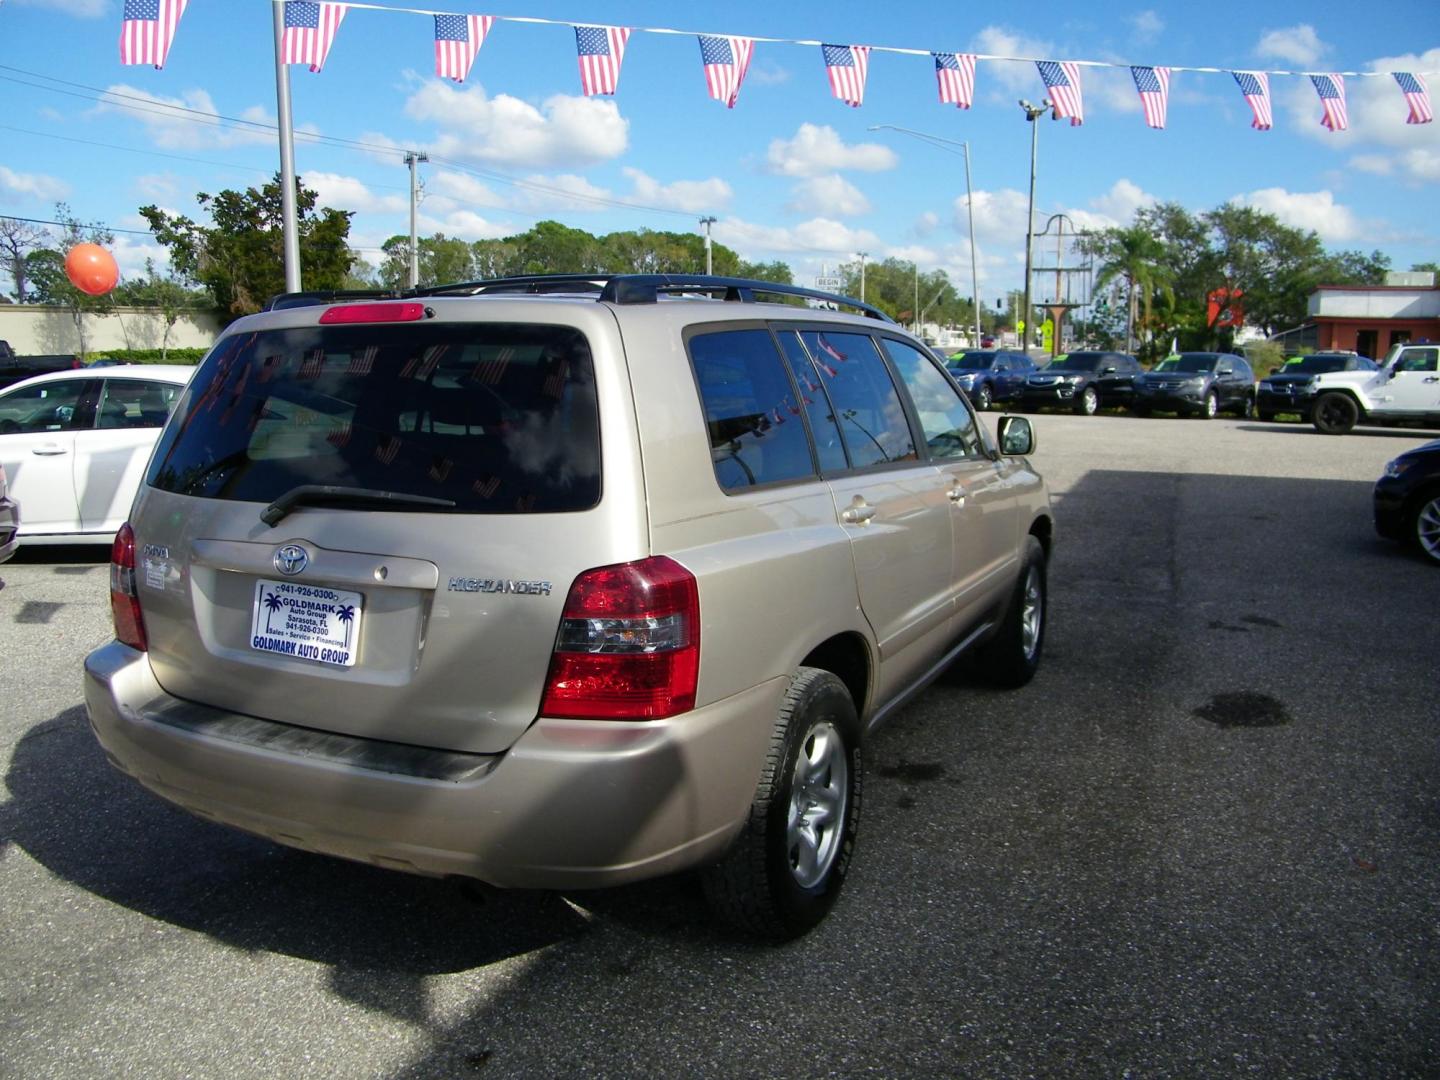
{"x":1292,"y":388}
{"x":1083,"y":382}
{"x":1407,"y":500}
{"x":990,"y":375}
{"x":1197,"y":384}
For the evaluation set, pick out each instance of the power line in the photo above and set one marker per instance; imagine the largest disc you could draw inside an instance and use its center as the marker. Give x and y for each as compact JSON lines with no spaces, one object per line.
{"x":83,"y":224}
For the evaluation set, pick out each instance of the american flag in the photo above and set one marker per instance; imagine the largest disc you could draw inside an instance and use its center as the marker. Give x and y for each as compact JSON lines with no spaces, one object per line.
{"x":1331,"y":89}
{"x":955,"y":72}
{"x":310,"y":31}
{"x":1153,"y":84}
{"x":1062,"y":83}
{"x":457,"y":39}
{"x":1413,"y":87}
{"x":846,"y":65}
{"x":1255,"y":85}
{"x":601,"y":50}
{"x":726,"y":60}
{"x":147,"y":29}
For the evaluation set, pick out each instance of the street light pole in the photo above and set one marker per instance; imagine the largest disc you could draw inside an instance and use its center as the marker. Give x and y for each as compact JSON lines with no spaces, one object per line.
{"x":862,"y":275}
{"x":707,"y":222}
{"x":1032,"y":113}
{"x":944,"y":144}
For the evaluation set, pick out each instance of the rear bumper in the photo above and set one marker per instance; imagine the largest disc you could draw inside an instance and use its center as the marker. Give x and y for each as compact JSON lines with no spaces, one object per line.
{"x":570,"y":805}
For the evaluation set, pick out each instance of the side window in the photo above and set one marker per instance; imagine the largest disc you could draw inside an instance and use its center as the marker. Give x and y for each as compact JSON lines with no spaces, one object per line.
{"x":756,"y":435}
{"x":863,"y":398}
{"x":824,"y":427}
{"x":130,"y":403}
{"x":949,"y":426}
{"x":51,"y":406}
{"x":1418,"y":360}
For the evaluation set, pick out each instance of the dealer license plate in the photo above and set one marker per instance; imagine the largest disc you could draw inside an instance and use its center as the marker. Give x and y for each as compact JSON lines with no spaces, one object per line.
{"x":306,"y":622}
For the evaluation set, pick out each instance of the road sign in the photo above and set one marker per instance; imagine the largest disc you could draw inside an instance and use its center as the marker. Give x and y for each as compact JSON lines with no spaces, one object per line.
{"x":829,"y":283}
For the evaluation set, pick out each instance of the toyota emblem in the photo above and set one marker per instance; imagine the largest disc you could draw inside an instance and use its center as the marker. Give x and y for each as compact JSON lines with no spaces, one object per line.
{"x":291,"y":559}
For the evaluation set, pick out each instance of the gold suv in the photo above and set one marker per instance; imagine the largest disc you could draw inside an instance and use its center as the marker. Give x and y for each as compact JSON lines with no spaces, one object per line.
{"x":563,"y":582}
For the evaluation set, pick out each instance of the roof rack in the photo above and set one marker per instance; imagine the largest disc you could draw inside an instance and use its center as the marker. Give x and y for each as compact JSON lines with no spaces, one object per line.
{"x":611,"y":288}
{"x":327,"y":296}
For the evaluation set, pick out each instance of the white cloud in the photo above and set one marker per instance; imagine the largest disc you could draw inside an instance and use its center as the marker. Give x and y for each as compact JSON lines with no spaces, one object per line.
{"x":831,"y":194}
{"x":131,"y":252}
{"x":504,"y":130}
{"x":1121,"y":201}
{"x":1314,"y":210}
{"x":1422,"y":164}
{"x":1012,"y":76}
{"x":86,"y":9}
{"x":926,"y":223}
{"x":463,"y":225}
{"x":35,"y":186}
{"x":1298,"y":44}
{"x":816,"y":150}
{"x":1375,"y":164}
{"x":1146,"y":26}
{"x":347,"y":193}
{"x":460,"y":188}
{"x":819,"y":235}
{"x":692,"y":196}
{"x":158,"y":187}
{"x":172,"y":122}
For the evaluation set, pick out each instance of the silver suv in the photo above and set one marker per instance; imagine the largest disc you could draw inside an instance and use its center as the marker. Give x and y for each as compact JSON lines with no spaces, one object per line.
{"x":563,"y":582}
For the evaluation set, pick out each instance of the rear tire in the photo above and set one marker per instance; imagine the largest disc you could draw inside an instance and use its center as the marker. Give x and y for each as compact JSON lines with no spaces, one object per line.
{"x":784,"y":871}
{"x":1335,"y":414}
{"x":1011,"y":658}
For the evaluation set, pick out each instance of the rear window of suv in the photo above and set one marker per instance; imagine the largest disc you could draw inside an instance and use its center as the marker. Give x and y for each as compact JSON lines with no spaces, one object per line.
{"x":497,"y":418}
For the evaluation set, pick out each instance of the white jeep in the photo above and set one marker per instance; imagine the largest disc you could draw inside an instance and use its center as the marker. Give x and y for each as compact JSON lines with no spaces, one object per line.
{"x":1406,"y":390}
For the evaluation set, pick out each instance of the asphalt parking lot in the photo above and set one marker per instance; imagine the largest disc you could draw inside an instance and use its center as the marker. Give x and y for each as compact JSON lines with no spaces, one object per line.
{"x":1205,"y":842}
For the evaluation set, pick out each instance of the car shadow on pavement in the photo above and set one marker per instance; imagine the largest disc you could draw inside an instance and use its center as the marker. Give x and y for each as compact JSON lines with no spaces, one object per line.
{"x":1282,"y":428}
{"x":81,"y":819}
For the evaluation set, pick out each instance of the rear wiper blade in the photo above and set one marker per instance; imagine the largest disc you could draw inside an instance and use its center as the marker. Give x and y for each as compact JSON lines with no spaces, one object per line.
{"x":318,"y":494}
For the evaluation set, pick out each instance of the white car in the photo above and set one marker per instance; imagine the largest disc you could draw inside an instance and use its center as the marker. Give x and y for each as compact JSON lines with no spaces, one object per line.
{"x":74,"y":444}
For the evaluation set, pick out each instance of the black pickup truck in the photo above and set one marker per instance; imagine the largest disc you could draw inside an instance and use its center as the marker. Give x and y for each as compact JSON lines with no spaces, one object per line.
{"x":13,"y":368}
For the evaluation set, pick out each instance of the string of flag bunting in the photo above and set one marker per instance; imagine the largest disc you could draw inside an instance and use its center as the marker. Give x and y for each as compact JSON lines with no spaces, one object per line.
{"x":310,"y":26}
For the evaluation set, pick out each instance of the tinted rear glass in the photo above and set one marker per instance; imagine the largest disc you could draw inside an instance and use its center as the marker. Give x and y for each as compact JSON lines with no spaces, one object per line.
{"x":499,"y":418}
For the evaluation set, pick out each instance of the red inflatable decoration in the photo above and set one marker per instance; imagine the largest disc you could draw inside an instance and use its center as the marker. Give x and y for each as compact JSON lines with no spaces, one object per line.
{"x":91,"y":269}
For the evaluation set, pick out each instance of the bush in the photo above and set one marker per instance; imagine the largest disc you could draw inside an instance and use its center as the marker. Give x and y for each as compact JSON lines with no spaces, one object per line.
{"x":148,"y":356}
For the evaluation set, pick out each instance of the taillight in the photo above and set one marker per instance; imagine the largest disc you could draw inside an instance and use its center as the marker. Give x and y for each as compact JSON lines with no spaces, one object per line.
{"x":629,"y":644}
{"x":124,"y":600}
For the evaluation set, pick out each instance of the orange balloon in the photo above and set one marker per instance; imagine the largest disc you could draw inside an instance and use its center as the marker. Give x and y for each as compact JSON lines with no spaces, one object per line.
{"x":91,"y":269}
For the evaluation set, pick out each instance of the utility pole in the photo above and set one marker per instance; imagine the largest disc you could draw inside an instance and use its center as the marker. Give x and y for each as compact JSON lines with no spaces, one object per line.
{"x":862,"y":275}
{"x":413,"y":159}
{"x":1032,"y":113}
{"x":709,"y":265}
{"x":916,"y":308}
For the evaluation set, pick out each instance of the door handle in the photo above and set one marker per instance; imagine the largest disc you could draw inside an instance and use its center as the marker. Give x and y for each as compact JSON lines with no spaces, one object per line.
{"x":858,"y":512}
{"x":956,"y":496}
{"x":49,"y":451}
{"x":1433,"y":378}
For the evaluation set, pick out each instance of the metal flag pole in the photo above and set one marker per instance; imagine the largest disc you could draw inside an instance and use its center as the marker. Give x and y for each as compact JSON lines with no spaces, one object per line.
{"x":287,"y":154}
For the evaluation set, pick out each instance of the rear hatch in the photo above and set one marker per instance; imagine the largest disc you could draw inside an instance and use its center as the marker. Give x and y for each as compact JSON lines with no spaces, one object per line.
{"x":372,"y":528}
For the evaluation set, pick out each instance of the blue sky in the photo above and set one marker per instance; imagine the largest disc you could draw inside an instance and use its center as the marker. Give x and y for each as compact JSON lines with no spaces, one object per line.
{"x":790,"y":173}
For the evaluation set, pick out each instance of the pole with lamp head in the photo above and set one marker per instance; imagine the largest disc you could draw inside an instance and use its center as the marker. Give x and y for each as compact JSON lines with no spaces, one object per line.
{"x":1032,"y":113}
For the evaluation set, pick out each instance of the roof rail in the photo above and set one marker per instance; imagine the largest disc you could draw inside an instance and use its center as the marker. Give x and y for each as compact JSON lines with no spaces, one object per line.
{"x":613,"y":288}
{"x":327,"y":296}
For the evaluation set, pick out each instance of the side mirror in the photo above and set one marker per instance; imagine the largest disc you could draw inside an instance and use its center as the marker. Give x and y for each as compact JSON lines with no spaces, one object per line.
{"x":1109,"y":371}
{"x":1017,"y":437}
{"x":1225,"y":371}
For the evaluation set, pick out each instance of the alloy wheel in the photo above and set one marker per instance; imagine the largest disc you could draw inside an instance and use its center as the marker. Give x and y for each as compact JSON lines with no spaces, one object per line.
{"x":819,"y":791}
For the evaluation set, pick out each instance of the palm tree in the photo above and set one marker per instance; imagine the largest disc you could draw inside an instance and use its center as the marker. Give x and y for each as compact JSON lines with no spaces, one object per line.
{"x":346,"y":614}
{"x":272,"y":604}
{"x":1138,"y":257}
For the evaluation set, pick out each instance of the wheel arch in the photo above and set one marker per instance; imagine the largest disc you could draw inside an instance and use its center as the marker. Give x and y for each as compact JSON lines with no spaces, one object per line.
{"x":847,"y":657}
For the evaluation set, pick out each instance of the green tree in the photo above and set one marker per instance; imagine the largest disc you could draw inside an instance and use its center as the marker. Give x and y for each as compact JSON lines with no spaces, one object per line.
{"x":17,"y":240}
{"x":1136,"y":257}
{"x":165,"y":296}
{"x":239,"y":258}
{"x":442,"y":260}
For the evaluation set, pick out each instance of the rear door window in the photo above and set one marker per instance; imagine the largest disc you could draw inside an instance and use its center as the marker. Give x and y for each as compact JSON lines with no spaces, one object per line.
{"x":862,"y":397}
{"x":493,"y":417}
{"x":752,"y":410}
